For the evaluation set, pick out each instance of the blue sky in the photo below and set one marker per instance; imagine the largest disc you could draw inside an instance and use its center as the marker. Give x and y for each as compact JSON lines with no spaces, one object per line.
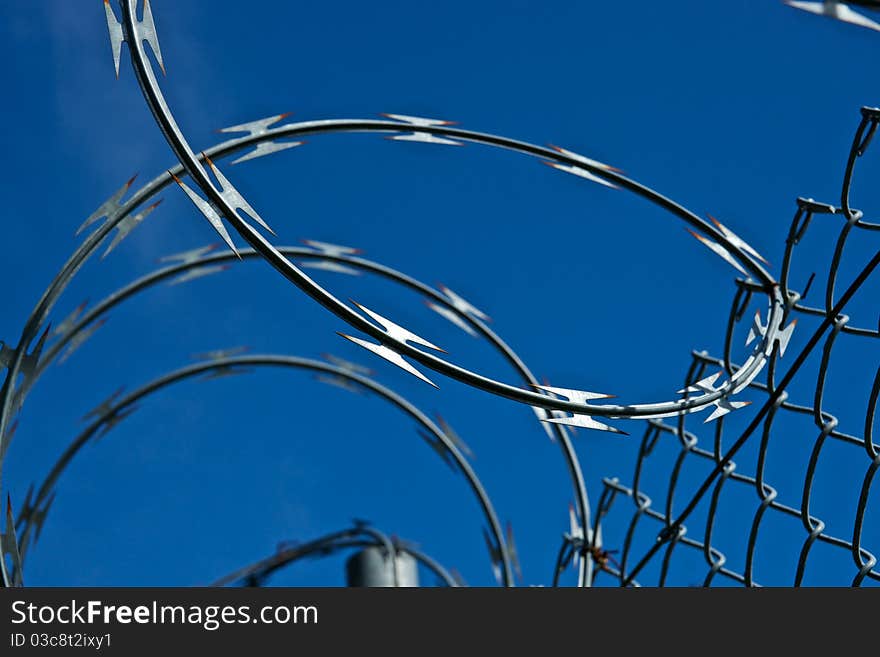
{"x":731,"y":108}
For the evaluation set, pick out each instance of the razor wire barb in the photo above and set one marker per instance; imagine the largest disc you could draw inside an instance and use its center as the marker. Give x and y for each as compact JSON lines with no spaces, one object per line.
{"x":218,"y":200}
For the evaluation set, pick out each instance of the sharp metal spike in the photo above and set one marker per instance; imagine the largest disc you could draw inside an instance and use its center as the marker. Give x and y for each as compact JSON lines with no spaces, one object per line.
{"x":463,"y":305}
{"x":454,"y":437}
{"x":720,"y":251}
{"x":735,"y":239}
{"x":439,"y":448}
{"x":575,"y":537}
{"x":116,"y":35}
{"x":226,"y":371}
{"x":575,"y":530}
{"x":109,"y":207}
{"x":339,"y":382}
{"x":198,"y":272}
{"x":146,"y":30}
{"x":208,"y":210}
{"x":334,"y":250}
{"x":397,"y":332}
{"x":10,"y":434}
{"x":38,"y":519}
{"x":347,"y":365}
{"x":585,"y":421}
{"x":757,"y":329}
{"x":417,"y":120}
{"x":220,"y":354}
{"x":31,"y":361}
{"x":585,"y":160}
{"x":724,"y":406}
{"x":330,"y":266}
{"x":124,"y":227}
{"x":542,"y":414}
{"x":188,"y":257}
{"x":267,"y":148}
{"x":511,"y":549}
{"x":115,"y":418}
{"x":703,"y":385}
{"x":106,"y":406}
{"x":425,"y":138}
{"x":582,"y":173}
{"x":234,"y":198}
{"x":577,"y":396}
{"x":836,"y":10}
{"x":26,"y":508}
{"x":391,"y":356}
{"x":9,"y":545}
{"x":451,"y":316}
{"x":494,"y":555}
{"x":38,"y":350}
{"x":77,"y":340}
{"x":258,"y":127}
{"x":68,"y":322}
{"x":783,"y":337}
{"x":261,"y":127}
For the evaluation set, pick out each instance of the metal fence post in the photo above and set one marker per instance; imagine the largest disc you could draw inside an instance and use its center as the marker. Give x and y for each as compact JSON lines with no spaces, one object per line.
{"x":373,"y":567}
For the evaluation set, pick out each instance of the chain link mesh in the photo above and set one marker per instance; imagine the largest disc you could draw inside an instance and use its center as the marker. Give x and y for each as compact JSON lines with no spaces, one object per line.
{"x":782,"y":403}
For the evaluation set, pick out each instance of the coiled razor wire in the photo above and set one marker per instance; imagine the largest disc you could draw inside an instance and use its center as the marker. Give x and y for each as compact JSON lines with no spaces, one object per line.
{"x":559,"y":406}
{"x":118,"y":407}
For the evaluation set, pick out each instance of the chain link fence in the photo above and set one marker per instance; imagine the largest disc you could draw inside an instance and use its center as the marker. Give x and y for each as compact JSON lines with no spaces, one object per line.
{"x":793,"y":433}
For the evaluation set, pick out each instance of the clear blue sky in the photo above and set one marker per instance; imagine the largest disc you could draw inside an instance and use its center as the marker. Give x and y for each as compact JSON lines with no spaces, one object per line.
{"x":732,"y":108}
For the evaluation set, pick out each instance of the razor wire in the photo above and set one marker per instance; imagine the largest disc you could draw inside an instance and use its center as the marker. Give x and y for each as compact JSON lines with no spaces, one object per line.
{"x":555,"y":406}
{"x":395,"y":341}
{"x":82,"y":324}
{"x":438,"y":435}
{"x":359,"y":536}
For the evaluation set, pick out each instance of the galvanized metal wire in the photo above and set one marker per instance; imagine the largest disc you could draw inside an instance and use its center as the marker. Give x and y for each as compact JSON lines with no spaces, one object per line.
{"x":642,"y":510}
{"x":785,"y":389}
{"x":358,"y":536}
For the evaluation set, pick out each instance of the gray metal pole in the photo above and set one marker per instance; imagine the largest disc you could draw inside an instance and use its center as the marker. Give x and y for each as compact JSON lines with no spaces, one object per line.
{"x":373,"y":567}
